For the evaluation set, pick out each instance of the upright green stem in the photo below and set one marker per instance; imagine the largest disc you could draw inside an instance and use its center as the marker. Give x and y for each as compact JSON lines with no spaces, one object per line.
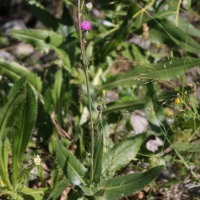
{"x":88,"y":89}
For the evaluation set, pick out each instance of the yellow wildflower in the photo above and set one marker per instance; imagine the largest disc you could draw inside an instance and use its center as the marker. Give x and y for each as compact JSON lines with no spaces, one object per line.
{"x":103,"y":91}
{"x":157,"y":45}
{"x":178,"y":101}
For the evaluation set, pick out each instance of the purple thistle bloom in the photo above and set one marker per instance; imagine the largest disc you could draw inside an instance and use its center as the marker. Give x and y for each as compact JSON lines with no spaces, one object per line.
{"x":85,"y":25}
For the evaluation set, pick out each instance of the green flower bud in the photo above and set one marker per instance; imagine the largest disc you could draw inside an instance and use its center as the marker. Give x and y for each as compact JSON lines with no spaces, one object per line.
{"x":89,"y":6}
{"x":99,"y":108}
{"x":85,"y":34}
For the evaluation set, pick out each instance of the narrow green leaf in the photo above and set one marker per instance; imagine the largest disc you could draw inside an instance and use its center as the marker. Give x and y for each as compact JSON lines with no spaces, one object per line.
{"x":10,"y":194}
{"x":119,"y":155}
{"x":155,"y":115}
{"x":18,"y":85}
{"x":35,"y":194}
{"x":3,"y":100}
{"x":58,"y":191}
{"x":186,"y":147}
{"x":4,"y":149}
{"x":22,"y":131}
{"x":44,"y":40}
{"x":124,"y":185}
{"x":97,"y":166}
{"x":57,"y":94}
{"x":153,"y":71}
{"x":89,"y":191}
{"x":42,"y":14}
{"x":129,"y":105}
{"x":66,"y":25}
{"x":25,"y":173}
{"x":56,"y":91}
{"x":165,"y":32}
{"x":107,"y":43}
{"x":185,"y":26}
{"x":171,"y":182}
{"x":49,"y":105}
{"x":55,"y":175}
{"x":71,"y":167}
{"x":64,"y":56}
{"x":10,"y":112}
{"x":89,"y":51}
{"x":41,"y":39}
{"x":15,"y":71}
{"x":165,"y":14}
{"x":41,"y":175}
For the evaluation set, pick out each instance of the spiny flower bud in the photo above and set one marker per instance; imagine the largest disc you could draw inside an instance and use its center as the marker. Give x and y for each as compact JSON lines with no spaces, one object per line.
{"x":85,"y":34}
{"x":89,"y":6}
{"x":99,"y":108}
{"x":85,"y":26}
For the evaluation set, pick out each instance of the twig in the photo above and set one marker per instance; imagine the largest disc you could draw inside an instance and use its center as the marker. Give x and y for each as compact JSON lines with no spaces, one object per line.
{"x":60,"y":131}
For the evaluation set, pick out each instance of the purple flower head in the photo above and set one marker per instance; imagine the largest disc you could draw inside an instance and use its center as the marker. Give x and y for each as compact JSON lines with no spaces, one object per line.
{"x":85,"y":25}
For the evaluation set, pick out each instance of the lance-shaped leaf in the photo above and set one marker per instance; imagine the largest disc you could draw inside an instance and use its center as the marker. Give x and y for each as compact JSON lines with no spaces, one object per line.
{"x":130,"y":105}
{"x":42,"y":14}
{"x":10,"y":112}
{"x":58,"y":191}
{"x":165,"y":32}
{"x":32,"y":194}
{"x":41,"y":39}
{"x":71,"y":167}
{"x":153,"y":71}
{"x":22,"y":131}
{"x":15,"y":71}
{"x":57,"y":94}
{"x":97,"y":166}
{"x":25,"y":173}
{"x":186,"y":147}
{"x":120,"y":154}
{"x":136,"y":104}
{"x":185,"y":26}
{"x":89,"y":191}
{"x":18,"y":85}
{"x":3,"y":100}
{"x":4,"y":149}
{"x":155,"y":115}
{"x":124,"y":185}
{"x":44,"y":40}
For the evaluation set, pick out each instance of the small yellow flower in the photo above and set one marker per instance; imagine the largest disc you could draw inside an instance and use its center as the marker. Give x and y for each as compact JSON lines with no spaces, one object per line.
{"x":157,"y":45}
{"x":103,"y":91}
{"x":178,"y":101}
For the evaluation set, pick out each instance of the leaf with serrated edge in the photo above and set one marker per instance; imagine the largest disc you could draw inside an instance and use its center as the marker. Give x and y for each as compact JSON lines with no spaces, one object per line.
{"x":60,"y":188}
{"x":119,"y":155}
{"x":97,"y":166}
{"x":4,"y":149}
{"x":89,"y":191}
{"x":39,"y":194}
{"x":42,"y":14}
{"x":71,"y":167}
{"x":41,"y":39}
{"x":15,"y":71}
{"x":22,"y":131}
{"x":124,"y":185}
{"x":10,"y":112}
{"x":18,"y":85}
{"x":151,"y":71}
{"x":44,"y":40}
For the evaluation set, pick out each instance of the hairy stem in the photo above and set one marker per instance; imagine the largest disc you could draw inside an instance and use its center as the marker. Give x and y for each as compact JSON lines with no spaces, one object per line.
{"x":88,"y":89}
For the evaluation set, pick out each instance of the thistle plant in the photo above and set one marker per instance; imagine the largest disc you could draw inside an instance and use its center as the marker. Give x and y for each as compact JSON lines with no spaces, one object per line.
{"x":92,"y":183}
